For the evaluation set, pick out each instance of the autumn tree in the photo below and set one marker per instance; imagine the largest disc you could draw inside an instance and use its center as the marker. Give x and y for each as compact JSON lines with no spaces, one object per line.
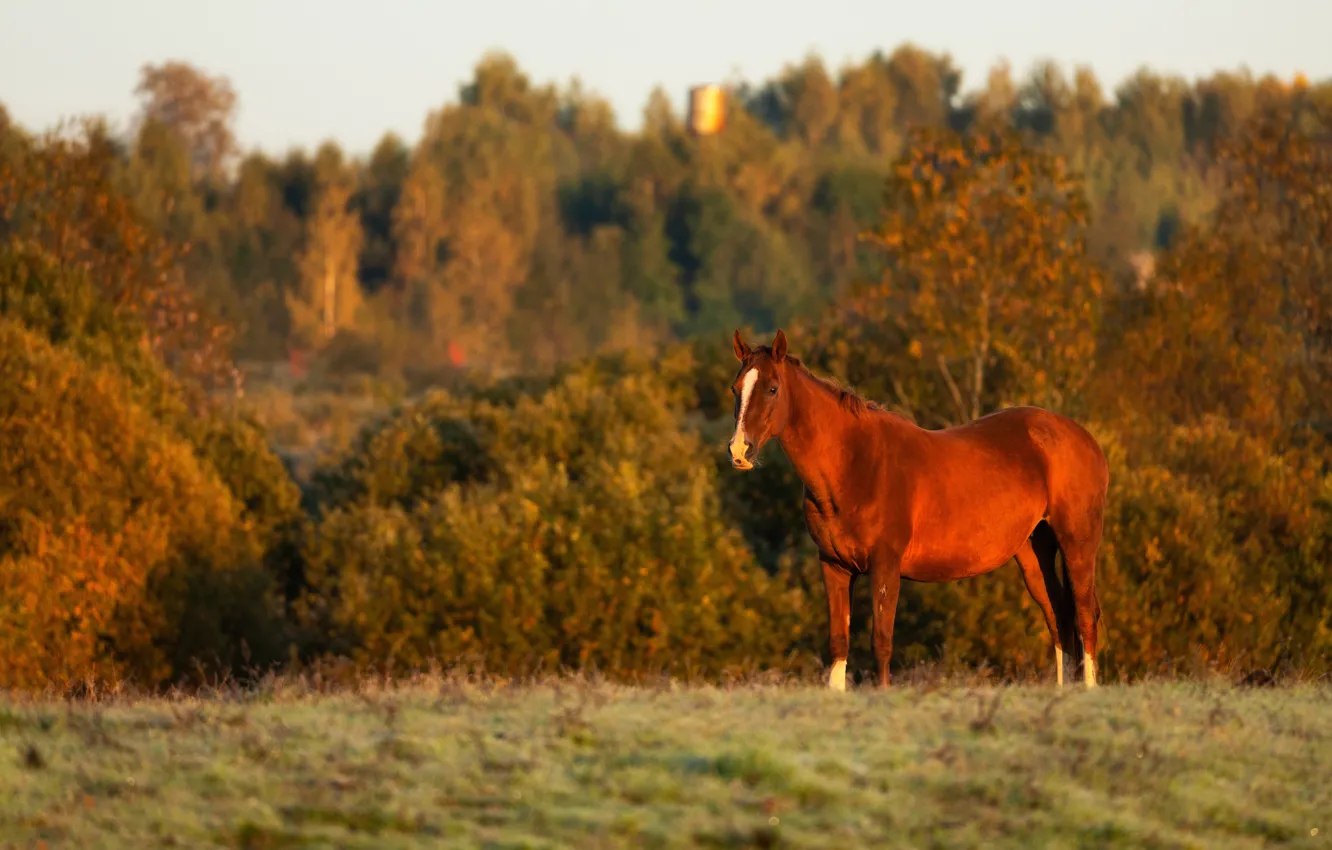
{"x":995,"y":104}
{"x":866,"y":111}
{"x":925,"y":86}
{"x":11,"y":135}
{"x":140,"y":513}
{"x":653,"y":173}
{"x":60,"y":193}
{"x":847,"y":200}
{"x":329,"y":294}
{"x":1236,"y":320}
{"x":198,"y":107}
{"x":124,"y":552}
{"x":1218,"y":384}
{"x":989,"y":297}
{"x":475,"y":199}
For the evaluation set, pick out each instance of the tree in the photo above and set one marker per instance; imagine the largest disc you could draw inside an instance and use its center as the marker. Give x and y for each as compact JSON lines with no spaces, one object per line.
{"x":330,"y":292}
{"x":384,"y":177}
{"x":925,"y":85}
{"x":196,"y":106}
{"x":62,"y":194}
{"x":867,"y":111}
{"x":737,"y":268}
{"x":137,"y":511}
{"x":996,"y":104}
{"x":260,"y":239}
{"x":478,"y":194}
{"x":1236,"y":322}
{"x":801,"y":104}
{"x":989,"y":296}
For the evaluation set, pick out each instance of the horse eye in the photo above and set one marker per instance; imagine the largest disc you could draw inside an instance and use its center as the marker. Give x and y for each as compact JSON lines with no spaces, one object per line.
{"x":772,"y":390}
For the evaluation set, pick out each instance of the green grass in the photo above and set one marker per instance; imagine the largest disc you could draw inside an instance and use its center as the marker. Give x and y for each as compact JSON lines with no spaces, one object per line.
{"x":453,"y":762}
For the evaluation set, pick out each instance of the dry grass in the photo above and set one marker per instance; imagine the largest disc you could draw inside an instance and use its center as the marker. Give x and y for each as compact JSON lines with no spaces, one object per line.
{"x":452,"y":761}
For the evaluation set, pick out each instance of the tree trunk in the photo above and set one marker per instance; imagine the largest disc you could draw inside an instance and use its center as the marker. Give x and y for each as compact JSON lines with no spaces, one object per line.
{"x":982,"y":354}
{"x":330,"y":299}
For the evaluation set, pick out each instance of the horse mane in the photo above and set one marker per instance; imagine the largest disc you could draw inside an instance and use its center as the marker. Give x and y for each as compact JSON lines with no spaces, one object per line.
{"x":847,"y":398}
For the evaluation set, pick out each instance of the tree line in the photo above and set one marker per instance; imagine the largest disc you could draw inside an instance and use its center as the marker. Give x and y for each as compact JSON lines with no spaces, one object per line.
{"x":524,"y":229}
{"x":533,"y":309}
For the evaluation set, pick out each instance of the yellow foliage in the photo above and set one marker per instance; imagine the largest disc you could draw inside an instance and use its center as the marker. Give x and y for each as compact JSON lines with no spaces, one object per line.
{"x":106,"y":515}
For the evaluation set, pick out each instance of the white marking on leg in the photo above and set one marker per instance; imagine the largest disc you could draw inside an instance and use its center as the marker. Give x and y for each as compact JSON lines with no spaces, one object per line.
{"x":1059,"y":666}
{"x":837,"y":678}
{"x":1089,"y":668}
{"x":738,"y":439}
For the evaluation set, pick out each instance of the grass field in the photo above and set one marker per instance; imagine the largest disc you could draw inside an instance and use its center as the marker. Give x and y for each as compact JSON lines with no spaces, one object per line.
{"x":570,"y":763}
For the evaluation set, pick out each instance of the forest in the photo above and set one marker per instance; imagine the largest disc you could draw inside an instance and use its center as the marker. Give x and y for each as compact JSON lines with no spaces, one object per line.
{"x":464,"y":401}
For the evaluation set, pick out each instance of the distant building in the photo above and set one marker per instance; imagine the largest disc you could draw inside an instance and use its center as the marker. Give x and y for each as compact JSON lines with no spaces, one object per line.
{"x":707,"y":110}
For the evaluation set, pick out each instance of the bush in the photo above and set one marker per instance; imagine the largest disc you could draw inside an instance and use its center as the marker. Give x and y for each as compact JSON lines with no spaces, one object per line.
{"x":573,"y":528}
{"x":122,"y":552}
{"x":1215,"y":552}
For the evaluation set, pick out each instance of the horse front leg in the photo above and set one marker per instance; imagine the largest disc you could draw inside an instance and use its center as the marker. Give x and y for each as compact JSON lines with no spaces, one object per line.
{"x":885,"y":582}
{"x":837,"y":583}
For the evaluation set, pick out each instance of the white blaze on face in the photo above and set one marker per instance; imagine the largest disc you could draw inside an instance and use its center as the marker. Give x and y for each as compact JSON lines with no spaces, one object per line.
{"x":738,"y":439}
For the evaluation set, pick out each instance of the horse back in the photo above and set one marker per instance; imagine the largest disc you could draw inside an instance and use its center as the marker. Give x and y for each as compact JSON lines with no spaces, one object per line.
{"x":1031,"y":443}
{"x":975,"y":492}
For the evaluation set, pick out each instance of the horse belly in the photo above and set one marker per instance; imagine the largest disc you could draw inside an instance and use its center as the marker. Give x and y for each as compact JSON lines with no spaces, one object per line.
{"x":965,"y":537}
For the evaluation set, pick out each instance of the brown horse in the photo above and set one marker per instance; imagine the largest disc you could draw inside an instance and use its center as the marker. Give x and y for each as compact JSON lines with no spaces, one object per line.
{"x":888,"y":498}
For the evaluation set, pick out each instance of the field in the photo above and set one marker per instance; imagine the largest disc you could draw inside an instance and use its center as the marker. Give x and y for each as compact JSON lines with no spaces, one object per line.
{"x":576,"y":763}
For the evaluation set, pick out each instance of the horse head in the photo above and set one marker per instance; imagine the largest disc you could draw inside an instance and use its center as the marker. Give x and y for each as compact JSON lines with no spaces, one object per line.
{"x":762,"y":404}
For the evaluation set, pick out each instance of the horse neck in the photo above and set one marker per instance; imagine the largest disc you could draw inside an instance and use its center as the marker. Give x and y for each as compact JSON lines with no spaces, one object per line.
{"x":816,"y":432}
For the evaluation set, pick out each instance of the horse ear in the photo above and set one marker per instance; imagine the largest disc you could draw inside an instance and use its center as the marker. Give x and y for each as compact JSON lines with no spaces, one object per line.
{"x":742,"y":351}
{"x":779,"y":346}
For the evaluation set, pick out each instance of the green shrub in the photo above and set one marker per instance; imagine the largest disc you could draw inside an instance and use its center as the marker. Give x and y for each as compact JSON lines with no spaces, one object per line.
{"x":1215,"y":552}
{"x":577,"y":528}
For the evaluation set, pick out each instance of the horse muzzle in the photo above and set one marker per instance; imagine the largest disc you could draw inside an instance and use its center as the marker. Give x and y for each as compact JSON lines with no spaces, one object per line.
{"x":742,"y":455}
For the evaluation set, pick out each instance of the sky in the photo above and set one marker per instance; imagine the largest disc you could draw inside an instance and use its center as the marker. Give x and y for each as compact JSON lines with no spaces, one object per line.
{"x":350,"y":70}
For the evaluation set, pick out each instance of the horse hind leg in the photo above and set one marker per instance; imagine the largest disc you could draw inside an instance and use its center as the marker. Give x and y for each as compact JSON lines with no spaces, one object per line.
{"x":1088,"y":610}
{"x":1036,"y":558}
{"x":1079,"y":551}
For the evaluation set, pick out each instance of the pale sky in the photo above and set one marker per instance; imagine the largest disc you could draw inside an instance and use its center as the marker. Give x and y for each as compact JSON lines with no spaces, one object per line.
{"x":307,"y":71}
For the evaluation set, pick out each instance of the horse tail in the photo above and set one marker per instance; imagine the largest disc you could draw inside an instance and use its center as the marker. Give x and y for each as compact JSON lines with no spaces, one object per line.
{"x":1067,"y":608}
{"x":1070,"y":607}
{"x":1058,"y":587}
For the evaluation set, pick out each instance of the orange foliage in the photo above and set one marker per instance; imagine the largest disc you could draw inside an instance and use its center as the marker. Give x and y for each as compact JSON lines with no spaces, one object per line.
{"x":61,"y":194}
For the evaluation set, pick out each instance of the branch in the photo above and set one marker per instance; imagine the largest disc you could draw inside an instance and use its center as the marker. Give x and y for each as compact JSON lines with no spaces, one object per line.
{"x":902,"y":402}
{"x":982,"y":352}
{"x":952,"y":388}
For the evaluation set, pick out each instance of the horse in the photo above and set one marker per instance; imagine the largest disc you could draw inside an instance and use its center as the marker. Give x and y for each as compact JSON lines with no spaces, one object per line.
{"x":890,"y":499}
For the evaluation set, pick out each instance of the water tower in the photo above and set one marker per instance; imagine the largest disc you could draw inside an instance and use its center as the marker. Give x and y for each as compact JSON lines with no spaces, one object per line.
{"x":707,"y":110}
